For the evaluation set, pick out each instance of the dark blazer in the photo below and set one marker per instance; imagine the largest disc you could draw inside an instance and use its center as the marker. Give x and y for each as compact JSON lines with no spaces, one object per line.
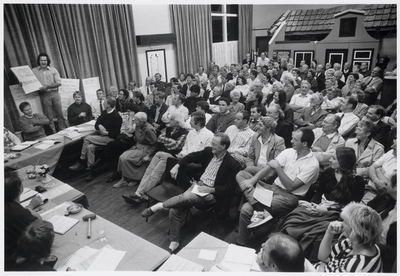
{"x":382,"y":129}
{"x":112,"y":123}
{"x":225,"y":181}
{"x":321,"y":82}
{"x":305,"y":118}
{"x":152,"y":115}
{"x":284,"y":130}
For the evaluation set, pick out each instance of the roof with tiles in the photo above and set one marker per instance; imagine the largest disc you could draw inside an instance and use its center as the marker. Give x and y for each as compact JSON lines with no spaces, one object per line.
{"x":320,"y":21}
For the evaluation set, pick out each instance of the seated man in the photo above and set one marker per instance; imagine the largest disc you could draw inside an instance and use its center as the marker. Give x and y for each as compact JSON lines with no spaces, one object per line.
{"x":222,"y":120}
{"x":217,"y":181}
{"x":197,"y":139}
{"x":256,"y":112}
{"x":302,"y":99}
{"x":297,"y":168}
{"x":193,"y":99}
{"x":264,"y":147}
{"x":156,"y":112}
{"x":108,"y":127}
{"x":177,"y":106}
{"x":348,"y":120}
{"x":281,"y":253}
{"x":374,"y":86}
{"x":16,"y":217}
{"x":327,"y":139}
{"x":98,"y":104}
{"x":32,"y":123}
{"x":79,"y":112}
{"x":331,"y":101}
{"x":376,"y":113}
{"x":313,"y":115}
{"x":240,"y":135}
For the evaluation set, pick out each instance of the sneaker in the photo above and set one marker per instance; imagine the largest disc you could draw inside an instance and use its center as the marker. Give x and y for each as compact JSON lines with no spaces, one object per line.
{"x":77,"y":167}
{"x":259,"y":218}
{"x":121,"y":183}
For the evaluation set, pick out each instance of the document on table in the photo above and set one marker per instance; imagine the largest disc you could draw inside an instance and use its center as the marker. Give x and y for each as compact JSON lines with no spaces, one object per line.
{"x":73,"y":135}
{"x":24,"y":145}
{"x":46,"y":144}
{"x":262,"y":195}
{"x":238,"y":258}
{"x":209,"y":255}
{"x":57,"y":210}
{"x":176,"y":263}
{"x":54,"y":192}
{"x":107,"y":260}
{"x":62,"y":223}
{"x":27,"y":194}
{"x":195,"y":190}
{"x":78,"y":257}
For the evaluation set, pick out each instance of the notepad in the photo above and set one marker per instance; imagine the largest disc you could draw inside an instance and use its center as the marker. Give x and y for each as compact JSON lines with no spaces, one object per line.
{"x":62,"y":224}
{"x":176,"y":263}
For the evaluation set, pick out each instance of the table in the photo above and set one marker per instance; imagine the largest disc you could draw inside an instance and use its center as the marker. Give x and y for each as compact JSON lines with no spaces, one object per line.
{"x":50,"y":156}
{"x":57,"y":194}
{"x":204,"y":241}
{"x":141,"y":255}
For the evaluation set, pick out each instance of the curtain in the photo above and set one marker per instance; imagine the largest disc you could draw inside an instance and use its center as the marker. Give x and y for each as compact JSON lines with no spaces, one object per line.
{"x":83,"y":41}
{"x":193,"y":29}
{"x":245,"y":30}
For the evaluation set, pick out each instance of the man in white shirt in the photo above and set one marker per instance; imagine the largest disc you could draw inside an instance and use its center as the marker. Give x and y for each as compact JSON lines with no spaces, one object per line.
{"x":240,"y":135}
{"x":145,"y":88}
{"x":327,"y":139}
{"x":302,"y":99}
{"x":177,"y":106}
{"x":201,"y":73}
{"x":197,"y":139}
{"x":98,"y":104}
{"x":297,"y":168}
{"x":262,"y":60}
{"x":331,"y":101}
{"x":348,"y":119}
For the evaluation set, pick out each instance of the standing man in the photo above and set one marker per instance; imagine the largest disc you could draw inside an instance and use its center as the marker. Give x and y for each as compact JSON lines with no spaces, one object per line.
{"x":374,"y":86}
{"x":98,"y":104}
{"x":161,"y":84}
{"x":50,"y":98}
{"x":320,"y":76}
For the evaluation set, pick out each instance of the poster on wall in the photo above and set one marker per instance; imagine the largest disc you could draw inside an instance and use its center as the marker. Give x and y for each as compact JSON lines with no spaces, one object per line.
{"x":156,"y":63}
{"x":67,"y":88}
{"x":19,"y":96}
{"x":27,"y":78}
{"x":90,"y":86}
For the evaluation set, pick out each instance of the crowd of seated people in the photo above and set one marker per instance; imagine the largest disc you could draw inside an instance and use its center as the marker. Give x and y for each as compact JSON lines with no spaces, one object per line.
{"x":315,"y":137}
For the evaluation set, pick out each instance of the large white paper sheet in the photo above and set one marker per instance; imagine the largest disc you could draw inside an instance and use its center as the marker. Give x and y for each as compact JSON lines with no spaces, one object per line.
{"x":28,"y":79}
{"x":107,"y":260}
{"x":262,"y":195}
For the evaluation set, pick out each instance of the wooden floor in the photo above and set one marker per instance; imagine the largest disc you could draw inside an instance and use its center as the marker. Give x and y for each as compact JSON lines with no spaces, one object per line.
{"x":106,"y":201}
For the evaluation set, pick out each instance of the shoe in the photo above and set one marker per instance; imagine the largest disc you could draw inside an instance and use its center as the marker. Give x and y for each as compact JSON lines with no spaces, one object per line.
{"x":115,"y":176}
{"x":77,"y":167}
{"x":121,"y":183}
{"x":132,"y":199}
{"x":259,"y":218}
{"x":173,"y":247}
{"x":91,"y":176}
{"x":147,"y":213}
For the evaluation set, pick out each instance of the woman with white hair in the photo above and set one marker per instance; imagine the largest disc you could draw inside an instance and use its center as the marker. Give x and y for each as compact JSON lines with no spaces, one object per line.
{"x":132,"y":163}
{"x":235,"y":105}
{"x":169,"y":144}
{"x":358,"y":252}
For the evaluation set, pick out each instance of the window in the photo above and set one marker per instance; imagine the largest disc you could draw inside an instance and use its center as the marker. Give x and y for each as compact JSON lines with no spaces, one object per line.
{"x":225,"y":22}
{"x":363,"y":55}
{"x":336,"y":56}
{"x":303,"y":55}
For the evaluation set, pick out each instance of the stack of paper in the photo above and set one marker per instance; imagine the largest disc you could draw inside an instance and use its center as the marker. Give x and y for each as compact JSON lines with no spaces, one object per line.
{"x":89,"y":259}
{"x":62,"y":223}
{"x":238,"y":258}
{"x":176,"y":263}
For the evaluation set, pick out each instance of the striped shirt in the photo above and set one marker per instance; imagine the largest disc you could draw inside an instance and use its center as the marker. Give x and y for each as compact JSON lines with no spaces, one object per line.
{"x":209,"y":175}
{"x":342,"y":261}
{"x":240,"y":139}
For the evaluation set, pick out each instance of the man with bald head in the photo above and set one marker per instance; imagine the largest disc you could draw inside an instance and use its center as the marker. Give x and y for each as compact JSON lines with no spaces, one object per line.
{"x":374,"y":86}
{"x":281,"y":253}
{"x":313,"y":115}
{"x":145,"y":88}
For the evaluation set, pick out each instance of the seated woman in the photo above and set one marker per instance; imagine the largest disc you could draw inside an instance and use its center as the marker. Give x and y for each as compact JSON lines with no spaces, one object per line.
{"x":379,"y":172}
{"x":16,"y":217}
{"x":366,"y":148}
{"x":337,"y":186}
{"x":31,"y":123}
{"x":133,"y":163}
{"x":79,"y":112}
{"x":169,"y":144}
{"x":358,"y":251}
{"x":235,"y":105}
{"x":124,"y":103}
{"x":33,"y":248}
